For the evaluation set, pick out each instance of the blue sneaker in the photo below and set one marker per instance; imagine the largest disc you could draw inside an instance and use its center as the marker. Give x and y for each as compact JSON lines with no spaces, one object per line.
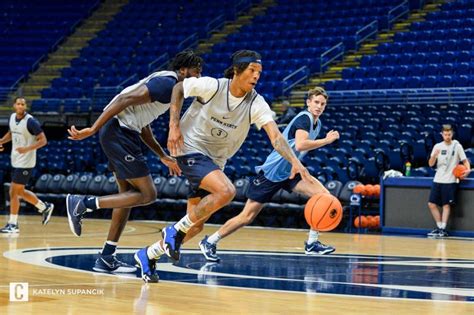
{"x":10,"y":228}
{"x":111,"y":264}
{"x":47,"y":212}
{"x":147,"y":266}
{"x":208,"y":250}
{"x":172,"y":240}
{"x":317,"y":248}
{"x":75,"y":209}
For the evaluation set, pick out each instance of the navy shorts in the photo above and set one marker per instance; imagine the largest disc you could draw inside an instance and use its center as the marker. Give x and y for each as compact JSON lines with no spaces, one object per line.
{"x":195,"y":167}
{"x":21,"y":175}
{"x":262,"y":189}
{"x":123,"y":149}
{"x":443,"y":194}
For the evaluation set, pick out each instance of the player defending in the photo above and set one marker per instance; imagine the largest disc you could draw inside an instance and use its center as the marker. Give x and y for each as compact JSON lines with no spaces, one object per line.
{"x":214,"y":128}
{"x":124,"y":122}
{"x":27,"y":137}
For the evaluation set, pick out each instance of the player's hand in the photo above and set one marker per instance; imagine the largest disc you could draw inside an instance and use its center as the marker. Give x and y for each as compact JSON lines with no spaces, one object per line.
{"x":332,"y":136}
{"x":436,"y":153}
{"x":1,"y":147}
{"x":465,"y":174}
{"x":76,"y":134}
{"x":175,"y":141}
{"x":172,"y":165}
{"x":298,"y":168}
{"x":22,"y":150}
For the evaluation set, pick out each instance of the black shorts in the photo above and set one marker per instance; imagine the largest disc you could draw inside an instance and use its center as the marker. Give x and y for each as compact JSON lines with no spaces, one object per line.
{"x":21,"y":175}
{"x":123,"y":149}
{"x":195,"y":167}
{"x":443,"y":194}
{"x":262,"y":189}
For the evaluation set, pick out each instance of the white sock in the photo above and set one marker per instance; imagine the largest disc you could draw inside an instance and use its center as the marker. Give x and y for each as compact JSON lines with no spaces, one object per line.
{"x":442,"y":226}
{"x":439,"y":225}
{"x":214,"y":238}
{"x":313,"y":236}
{"x":155,"y":251}
{"x":40,"y":206}
{"x":13,"y":219}
{"x":184,"y":224}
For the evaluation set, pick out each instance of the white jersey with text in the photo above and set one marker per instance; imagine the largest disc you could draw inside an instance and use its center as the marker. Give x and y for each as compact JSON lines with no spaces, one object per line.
{"x":449,"y":156}
{"x":217,"y":123}
{"x":21,"y":137}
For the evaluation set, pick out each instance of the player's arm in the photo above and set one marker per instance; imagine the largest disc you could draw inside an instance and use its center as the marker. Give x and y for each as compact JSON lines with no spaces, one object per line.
{"x":137,"y":96}
{"x":204,"y":88}
{"x":149,"y":139}
{"x":280,"y":144}
{"x":433,"y":157}
{"x":6,"y":138}
{"x":175,"y":138}
{"x":303,"y":143}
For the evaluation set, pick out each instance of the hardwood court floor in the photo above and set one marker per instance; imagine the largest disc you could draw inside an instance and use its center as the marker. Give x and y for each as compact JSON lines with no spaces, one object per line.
{"x":362,"y":277}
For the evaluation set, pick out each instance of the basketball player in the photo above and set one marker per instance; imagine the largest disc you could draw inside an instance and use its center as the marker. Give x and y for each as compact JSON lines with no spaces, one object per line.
{"x":27,"y":136}
{"x":214,"y":128}
{"x":274,"y":174}
{"x":446,"y":155}
{"x":126,"y":120}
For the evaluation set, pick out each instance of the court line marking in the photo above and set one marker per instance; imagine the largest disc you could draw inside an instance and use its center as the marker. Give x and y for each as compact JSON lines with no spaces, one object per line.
{"x":39,"y":258}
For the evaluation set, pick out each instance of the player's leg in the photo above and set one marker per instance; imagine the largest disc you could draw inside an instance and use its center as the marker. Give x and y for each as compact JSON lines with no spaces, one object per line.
{"x":260,"y":191}
{"x":43,"y":207}
{"x":448,"y":199}
{"x":435,"y":199}
{"x":142,"y":191}
{"x":147,"y":257}
{"x":123,"y":150}
{"x":208,"y":245}
{"x":313,"y":246}
{"x":107,"y":260}
{"x":202,"y":174}
{"x":12,"y":224}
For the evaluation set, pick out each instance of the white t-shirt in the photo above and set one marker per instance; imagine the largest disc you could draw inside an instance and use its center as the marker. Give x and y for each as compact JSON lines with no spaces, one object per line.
{"x":206,"y":87}
{"x":449,"y":156}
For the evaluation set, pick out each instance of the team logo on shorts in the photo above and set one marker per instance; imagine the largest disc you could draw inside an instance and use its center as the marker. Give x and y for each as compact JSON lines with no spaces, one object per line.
{"x":190,"y":162}
{"x":129,"y":158}
{"x":25,"y":173}
{"x":257,"y":182}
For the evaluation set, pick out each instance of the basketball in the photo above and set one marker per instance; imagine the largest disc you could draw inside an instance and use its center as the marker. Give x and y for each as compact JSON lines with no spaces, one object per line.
{"x":369,"y":190}
{"x":359,"y":189}
{"x":361,"y":222}
{"x":323,"y":212}
{"x":459,"y":170}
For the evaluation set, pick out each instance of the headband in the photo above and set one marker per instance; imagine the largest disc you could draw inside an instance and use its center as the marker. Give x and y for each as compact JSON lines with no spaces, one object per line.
{"x":247,"y":60}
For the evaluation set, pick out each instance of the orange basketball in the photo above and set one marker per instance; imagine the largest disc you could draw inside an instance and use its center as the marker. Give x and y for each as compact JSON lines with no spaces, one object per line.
{"x":323,"y":212}
{"x":459,"y":170}
{"x":360,"y":222}
{"x":369,"y":190}
{"x":377,"y":221}
{"x":371,"y":223}
{"x":377,"y":190}
{"x":359,"y":189}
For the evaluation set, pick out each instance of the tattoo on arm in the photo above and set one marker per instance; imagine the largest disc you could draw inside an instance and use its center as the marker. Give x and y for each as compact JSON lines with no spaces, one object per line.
{"x":282,"y":147}
{"x":177,"y":99}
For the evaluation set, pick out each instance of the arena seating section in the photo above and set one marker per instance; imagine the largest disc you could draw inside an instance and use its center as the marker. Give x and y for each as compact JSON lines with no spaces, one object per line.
{"x":31,"y":30}
{"x":374,"y":138}
{"x":437,"y":52}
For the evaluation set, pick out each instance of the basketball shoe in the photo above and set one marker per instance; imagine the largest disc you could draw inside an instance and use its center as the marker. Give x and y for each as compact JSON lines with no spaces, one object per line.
{"x":317,"y":248}
{"x":111,"y":264}
{"x":208,"y":250}
{"x":147,"y":266}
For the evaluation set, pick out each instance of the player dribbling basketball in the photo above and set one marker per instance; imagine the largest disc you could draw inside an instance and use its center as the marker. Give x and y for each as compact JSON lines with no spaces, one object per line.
{"x":274,"y":175}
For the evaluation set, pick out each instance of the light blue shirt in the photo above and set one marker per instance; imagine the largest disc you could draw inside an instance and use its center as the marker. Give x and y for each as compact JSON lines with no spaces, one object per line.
{"x":276,"y":168}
